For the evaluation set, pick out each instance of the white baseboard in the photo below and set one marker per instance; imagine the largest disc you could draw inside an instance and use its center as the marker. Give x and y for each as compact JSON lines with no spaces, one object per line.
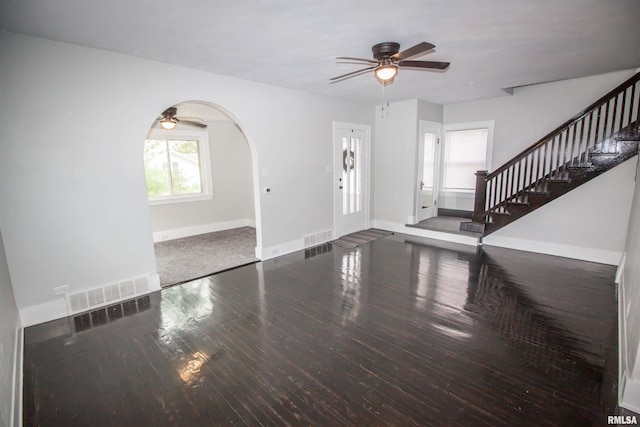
{"x":620,"y":270}
{"x":566,"y":251}
{"x":279,"y":250}
{"x":58,"y":308}
{"x":40,"y":313}
{"x":430,"y":234}
{"x":176,"y":233}
{"x":630,"y":394}
{"x":622,"y":338}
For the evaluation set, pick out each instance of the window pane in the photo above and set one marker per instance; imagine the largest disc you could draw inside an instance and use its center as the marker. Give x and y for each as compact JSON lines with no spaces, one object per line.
{"x":156,"y":168}
{"x":351,"y":175}
{"x":465,"y":153}
{"x":185,"y":167}
{"x":429,"y":160}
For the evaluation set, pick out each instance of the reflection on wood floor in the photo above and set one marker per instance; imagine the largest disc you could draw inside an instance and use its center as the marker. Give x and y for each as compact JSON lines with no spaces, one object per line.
{"x":395,"y":332}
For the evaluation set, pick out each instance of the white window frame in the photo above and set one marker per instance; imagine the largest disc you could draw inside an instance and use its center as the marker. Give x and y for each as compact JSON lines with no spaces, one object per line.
{"x":489,"y":125}
{"x":205,"y":164}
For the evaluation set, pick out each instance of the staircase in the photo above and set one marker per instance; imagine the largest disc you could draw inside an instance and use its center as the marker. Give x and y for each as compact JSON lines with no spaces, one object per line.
{"x":595,"y":140}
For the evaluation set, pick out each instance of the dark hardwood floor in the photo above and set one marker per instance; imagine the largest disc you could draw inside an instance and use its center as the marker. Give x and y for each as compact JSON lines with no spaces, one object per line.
{"x":395,"y":332}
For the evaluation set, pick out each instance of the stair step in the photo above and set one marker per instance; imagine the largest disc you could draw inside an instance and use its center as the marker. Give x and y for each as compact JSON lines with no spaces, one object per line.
{"x":606,"y":155}
{"x":557,"y":187}
{"x":578,"y":167}
{"x":518,"y":202}
{"x":518,"y":207}
{"x":501,"y":218}
{"x":536,"y":193}
{"x":473,"y":227}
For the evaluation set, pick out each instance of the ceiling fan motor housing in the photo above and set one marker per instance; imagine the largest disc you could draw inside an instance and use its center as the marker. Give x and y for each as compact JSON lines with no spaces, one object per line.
{"x":170,"y":112}
{"x":385,"y":50}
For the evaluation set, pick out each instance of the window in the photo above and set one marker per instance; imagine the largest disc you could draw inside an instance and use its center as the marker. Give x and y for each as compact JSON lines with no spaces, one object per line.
{"x":351,"y":175}
{"x":466,"y":151}
{"x":177,"y":166}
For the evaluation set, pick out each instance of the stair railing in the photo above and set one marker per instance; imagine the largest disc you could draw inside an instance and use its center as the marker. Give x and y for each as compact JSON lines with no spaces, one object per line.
{"x":566,"y":146}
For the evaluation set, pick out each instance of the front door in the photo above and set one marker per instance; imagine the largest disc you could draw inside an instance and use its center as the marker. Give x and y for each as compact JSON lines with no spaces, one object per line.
{"x":427,"y":176}
{"x":351,"y":161}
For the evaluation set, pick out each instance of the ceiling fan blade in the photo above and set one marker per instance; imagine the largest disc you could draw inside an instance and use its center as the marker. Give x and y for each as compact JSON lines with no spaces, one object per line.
{"x":348,"y":58}
{"x":417,"y":50}
{"x":434,"y":65}
{"x":351,"y":74}
{"x":192,"y":123}
{"x":352,"y":62}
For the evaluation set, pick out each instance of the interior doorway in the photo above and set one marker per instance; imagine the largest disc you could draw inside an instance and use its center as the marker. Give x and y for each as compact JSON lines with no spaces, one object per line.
{"x":427,"y":186}
{"x":199,"y":174}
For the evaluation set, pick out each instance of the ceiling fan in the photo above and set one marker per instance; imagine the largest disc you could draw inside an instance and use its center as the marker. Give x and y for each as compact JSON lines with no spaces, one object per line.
{"x":168,"y":120}
{"x":387,"y":60}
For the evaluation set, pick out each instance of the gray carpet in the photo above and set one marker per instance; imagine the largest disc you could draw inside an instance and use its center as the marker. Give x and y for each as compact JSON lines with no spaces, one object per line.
{"x":358,"y":238}
{"x":189,"y":258}
{"x":447,"y":224}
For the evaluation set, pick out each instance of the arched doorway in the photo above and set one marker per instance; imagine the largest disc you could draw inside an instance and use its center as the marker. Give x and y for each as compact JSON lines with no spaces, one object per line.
{"x":199,"y":173}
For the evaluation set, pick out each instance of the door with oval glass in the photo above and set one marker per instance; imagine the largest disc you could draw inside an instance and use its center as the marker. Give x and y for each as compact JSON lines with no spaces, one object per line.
{"x":351,"y":165}
{"x":427,"y":170}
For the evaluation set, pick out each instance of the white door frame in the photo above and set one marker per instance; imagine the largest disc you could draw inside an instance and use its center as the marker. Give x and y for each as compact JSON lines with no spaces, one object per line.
{"x":337,"y":174}
{"x":436,"y":128}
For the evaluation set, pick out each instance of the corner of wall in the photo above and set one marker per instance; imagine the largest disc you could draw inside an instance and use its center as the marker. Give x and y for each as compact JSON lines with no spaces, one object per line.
{"x":18,"y":368}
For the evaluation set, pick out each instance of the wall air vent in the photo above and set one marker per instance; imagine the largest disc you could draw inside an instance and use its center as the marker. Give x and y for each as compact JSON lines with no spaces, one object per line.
{"x":318,"y":238}
{"x":112,"y":292}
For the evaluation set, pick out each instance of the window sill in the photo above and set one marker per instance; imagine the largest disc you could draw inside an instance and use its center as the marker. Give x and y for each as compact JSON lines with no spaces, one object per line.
{"x":470,"y":192}
{"x":180,"y":199}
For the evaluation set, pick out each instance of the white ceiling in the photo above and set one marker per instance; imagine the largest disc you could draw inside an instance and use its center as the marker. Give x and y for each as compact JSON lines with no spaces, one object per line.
{"x":492,"y":44}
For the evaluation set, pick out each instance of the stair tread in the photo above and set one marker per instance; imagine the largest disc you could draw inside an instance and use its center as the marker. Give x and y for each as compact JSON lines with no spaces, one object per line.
{"x":599,"y":154}
{"x":538,"y":193}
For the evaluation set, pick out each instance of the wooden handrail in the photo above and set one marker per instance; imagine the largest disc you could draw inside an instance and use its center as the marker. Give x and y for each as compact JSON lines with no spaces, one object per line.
{"x":624,"y":85}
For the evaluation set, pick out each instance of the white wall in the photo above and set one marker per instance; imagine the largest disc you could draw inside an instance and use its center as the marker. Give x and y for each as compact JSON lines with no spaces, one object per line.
{"x":629,"y":312}
{"x":9,"y":327}
{"x":72,"y":187}
{"x":588,"y":223}
{"x":232,"y":177}
{"x":395,"y":158}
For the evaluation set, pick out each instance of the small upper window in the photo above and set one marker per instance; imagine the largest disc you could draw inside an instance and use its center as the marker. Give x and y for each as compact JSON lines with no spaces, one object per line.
{"x":177,"y":166}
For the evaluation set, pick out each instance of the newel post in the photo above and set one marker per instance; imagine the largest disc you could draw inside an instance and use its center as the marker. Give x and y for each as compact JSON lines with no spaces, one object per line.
{"x":481,"y":194}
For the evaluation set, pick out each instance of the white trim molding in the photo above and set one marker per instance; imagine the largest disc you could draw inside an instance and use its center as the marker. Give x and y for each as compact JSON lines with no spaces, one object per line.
{"x":279,"y":250}
{"x":15,"y":418}
{"x":548,"y":248}
{"x":430,"y":234}
{"x":176,"y":233}
{"x":629,"y":393}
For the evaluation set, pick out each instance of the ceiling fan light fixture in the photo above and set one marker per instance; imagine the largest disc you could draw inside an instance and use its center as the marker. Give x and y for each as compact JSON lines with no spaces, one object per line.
{"x":386,"y":72}
{"x":168,"y":123}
